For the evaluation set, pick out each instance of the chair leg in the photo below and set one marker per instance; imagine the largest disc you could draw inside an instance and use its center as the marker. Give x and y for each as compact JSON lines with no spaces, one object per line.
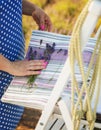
{"x":65,"y":114}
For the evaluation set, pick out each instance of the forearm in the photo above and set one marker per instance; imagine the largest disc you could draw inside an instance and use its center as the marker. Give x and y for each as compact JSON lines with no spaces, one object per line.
{"x":27,"y":7}
{"x":5,"y":64}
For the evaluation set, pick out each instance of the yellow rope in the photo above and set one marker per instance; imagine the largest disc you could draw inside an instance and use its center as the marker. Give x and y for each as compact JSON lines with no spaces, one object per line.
{"x":80,"y":108}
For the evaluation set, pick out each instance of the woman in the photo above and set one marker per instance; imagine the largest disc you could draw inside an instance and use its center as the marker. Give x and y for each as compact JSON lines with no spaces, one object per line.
{"x":12,"y":52}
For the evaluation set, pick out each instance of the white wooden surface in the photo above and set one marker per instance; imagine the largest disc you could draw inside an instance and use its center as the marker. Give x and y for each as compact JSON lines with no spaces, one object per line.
{"x":66,"y":115}
{"x":56,"y":122}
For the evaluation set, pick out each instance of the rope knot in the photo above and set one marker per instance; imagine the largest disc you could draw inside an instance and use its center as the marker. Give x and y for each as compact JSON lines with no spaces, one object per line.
{"x":79,"y":114}
{"x":90,"y":116}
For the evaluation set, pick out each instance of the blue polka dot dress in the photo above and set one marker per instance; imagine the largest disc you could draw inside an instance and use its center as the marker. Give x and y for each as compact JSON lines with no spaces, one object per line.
{"x":11,"y":47}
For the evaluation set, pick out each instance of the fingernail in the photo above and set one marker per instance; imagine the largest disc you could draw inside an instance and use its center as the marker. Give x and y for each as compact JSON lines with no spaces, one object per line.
{"x":42,"y":27}
{"x":45,"y":63}
{"x":39,"y":72}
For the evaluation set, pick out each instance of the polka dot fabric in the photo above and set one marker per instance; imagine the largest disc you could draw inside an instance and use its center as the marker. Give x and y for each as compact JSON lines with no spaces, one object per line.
{"x":12,"y":47}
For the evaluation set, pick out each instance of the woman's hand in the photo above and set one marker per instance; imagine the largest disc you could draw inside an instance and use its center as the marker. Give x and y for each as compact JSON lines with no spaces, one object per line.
{"x":25,"y":68}
{"x":42,"y":19}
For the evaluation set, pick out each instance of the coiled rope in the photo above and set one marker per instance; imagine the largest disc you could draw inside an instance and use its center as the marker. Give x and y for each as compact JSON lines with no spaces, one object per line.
{"x":81,"y":108}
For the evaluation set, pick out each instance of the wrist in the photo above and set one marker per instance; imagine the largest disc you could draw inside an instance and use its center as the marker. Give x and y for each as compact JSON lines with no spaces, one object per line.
{"x":5,"y":64}
{"x":28,"y":8}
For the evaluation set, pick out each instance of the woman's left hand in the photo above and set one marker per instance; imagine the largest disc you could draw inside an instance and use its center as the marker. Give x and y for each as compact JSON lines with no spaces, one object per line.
{"x":42,"y":19}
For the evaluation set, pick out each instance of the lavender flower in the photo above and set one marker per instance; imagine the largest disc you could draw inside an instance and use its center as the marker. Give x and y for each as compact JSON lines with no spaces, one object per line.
{"x":33,"y":54}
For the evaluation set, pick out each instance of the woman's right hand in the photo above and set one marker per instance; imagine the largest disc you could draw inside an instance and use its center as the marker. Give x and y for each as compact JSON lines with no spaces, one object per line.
{"x":25,"y":68}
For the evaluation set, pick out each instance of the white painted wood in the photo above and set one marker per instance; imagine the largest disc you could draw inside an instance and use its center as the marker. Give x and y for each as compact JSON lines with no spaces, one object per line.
{"x":57,"y":115}
{"x":58,"y":89}
{"x":58,"y":124}
{"x":90,"y":21}
{"x":50,"y":123}
{"x":86,"y":31}
{"x":82,"y":127}
{"x":97,"y":125}
{"x":98,"y":32}
{"x":64,"y":128}
{"x":83,"y":122}
{"x":65,"y":114}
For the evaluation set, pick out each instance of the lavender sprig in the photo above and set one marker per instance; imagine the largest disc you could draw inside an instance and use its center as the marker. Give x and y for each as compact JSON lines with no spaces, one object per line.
{"x":31,"y":80}
{"x":33,"y":55}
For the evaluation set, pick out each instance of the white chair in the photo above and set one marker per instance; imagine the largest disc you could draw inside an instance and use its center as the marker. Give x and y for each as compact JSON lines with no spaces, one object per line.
{"x":55,"y":98}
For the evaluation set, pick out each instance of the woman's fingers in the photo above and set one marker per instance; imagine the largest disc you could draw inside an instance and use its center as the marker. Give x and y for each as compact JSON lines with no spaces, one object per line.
{"x":36,"y":62}
{"x":22,"y":68}
{"x":31,"y":67}
{"x":33,"y":73}
{"x":42,"y":19}
{"x":37,"y":65}
{"x":45,"y":23}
